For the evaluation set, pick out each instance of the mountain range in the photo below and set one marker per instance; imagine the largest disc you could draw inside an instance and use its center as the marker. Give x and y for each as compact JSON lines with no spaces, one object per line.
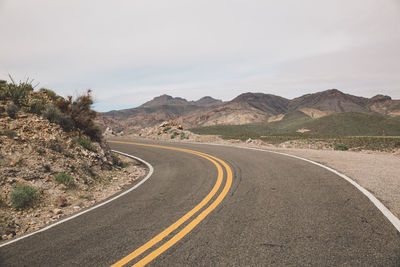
{"x":246,"y":108}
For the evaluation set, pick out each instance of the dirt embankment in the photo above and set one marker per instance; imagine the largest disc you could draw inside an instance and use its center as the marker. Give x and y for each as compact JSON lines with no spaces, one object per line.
{"x":47,"y":173}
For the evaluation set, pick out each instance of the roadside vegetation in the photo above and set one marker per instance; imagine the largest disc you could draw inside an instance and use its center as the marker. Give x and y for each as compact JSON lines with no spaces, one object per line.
{"x":356,"y":131}
{"x":72,"y":114}
{"x":23,"y":196}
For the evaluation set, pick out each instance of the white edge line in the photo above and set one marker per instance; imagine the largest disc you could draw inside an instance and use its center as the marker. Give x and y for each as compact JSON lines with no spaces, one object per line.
{"x":151,"y":170}
{"x":385,"y":211}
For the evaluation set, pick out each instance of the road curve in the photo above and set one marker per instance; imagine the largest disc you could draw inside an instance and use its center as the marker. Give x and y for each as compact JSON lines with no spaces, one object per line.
{"x":278,"y":211}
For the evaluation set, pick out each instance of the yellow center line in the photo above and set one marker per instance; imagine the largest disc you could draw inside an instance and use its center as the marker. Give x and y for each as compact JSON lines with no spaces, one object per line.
{"x":187,"y":216}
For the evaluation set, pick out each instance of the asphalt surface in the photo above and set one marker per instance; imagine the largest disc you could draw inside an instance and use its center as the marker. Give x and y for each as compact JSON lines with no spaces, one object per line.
{"x":279,"y":211}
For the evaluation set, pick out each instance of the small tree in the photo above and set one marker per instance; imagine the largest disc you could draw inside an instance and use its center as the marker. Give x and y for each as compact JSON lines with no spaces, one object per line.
{"x":84,"y":116}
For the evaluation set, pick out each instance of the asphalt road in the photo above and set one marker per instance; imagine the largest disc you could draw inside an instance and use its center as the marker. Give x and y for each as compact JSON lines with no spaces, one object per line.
{"x":278,"y":211}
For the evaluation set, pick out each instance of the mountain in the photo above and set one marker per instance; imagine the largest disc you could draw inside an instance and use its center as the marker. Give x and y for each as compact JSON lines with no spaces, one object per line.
{"x":245,"y":108}
{"x":248,"y":108}
{"x":384,"y":105}
{"x":155,"y":111}
{"x":165,"y":100}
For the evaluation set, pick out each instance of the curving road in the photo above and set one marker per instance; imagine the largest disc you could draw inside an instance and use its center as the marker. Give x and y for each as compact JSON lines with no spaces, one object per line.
{"x":277,"y":211}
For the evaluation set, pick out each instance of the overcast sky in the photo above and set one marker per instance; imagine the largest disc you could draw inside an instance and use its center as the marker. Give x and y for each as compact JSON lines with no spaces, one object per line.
{"x":131,"y":51}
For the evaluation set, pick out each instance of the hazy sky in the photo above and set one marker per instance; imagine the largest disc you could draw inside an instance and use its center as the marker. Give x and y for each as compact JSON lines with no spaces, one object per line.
{"x":130,"y":51}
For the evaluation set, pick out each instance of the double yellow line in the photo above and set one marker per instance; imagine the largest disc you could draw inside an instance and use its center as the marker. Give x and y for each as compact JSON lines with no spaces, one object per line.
{"x":192,"y":224}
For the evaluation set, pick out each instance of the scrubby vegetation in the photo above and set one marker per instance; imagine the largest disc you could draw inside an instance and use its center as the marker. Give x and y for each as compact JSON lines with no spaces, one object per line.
{"x":173,"y":135}
{"x":64,"y":178}
{"x":12,"y":111}
{"x":70,"y":114}
{"x":117,"y":162}
{"x":341,"y":147}
{"x":355,"y":130}
{"x":87,"y":144}
{"x":23,"y":196}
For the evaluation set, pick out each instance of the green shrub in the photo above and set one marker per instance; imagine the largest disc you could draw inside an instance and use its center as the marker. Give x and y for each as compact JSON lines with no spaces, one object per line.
{"x":116,"y":161}
{"x":84,"y":116}
{"x":341,"y":147}
{"x":23,"y":196}
{"x":183,"y":135}
{"x":36,"y":106}
{"x":87,"y":144}
{"x":397,"y":144}
{"x":18,"y":92}
{"x":173,"y":135}
{"x":167,"y":128}
{"x":3,"y":90}
{"x":12,"y":111}
{"x":54,"y":115}
{"x":51,"y":113}
{"x":64,"y":178}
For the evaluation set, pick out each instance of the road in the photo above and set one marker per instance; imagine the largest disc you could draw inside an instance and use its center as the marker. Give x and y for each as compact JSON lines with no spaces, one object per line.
{"x":277,"y":211}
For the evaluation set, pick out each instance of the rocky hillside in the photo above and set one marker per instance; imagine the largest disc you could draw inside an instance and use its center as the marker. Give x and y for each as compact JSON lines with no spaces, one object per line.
{"x":244,"y":109}
{"x":53,"y":160}
{"x":162,"y":108}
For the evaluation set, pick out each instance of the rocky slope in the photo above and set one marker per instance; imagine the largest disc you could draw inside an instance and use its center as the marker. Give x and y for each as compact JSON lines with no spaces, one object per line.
{"x":46,"y":171}
{"x":162,"y":108}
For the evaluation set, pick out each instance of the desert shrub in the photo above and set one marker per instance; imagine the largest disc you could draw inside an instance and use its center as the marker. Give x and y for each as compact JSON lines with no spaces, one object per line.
{"x":116,"y":161}
{"x":64,"y":178}
{"x":47,"y":167}
{"x":64,"y":105}
{"x":341,"y":147}
{"x":3,"y":90}
{"x":8,"y":133}
{"x":12,"y":111}
{"x":167,"y":128}
{"x":84,"y":116}
{"x":87,"y":144}
{"x":173,"y":135}
{"x":183,"y":136}
{"x":94,"y":132}
{"x":23,"y":196}
{"x":54,"y":115}
{"x":397,"y":144}
{"x":18,"y":92}
{"x":66,"y":122}
{"x":36,"y":106}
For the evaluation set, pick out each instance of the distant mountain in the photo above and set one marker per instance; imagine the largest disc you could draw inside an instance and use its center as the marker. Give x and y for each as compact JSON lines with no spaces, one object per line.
{"x":207,"y":101}
{"x":157,"y":110}
{"x":330,"y":100}
{"x":247,"y":108}
{"x":165,"y":100}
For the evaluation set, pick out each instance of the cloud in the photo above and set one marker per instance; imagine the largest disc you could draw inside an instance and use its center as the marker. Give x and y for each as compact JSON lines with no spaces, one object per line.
{"x":140,"y":49}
